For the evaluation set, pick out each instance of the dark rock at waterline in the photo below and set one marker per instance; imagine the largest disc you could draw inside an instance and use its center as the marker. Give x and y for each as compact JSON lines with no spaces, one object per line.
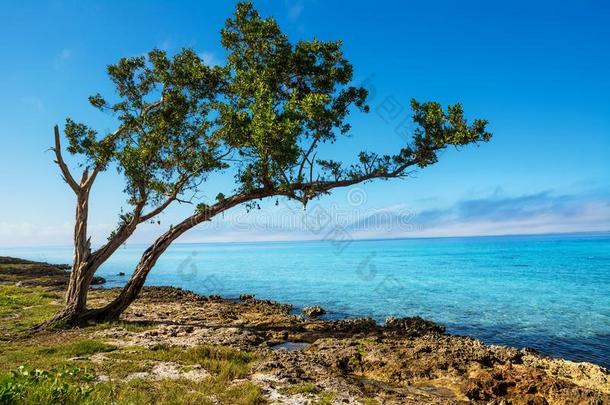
{"x":314,"y":311}
{"x":17,"y":261}
{"x":31,"y":274}
{"x":352,"y":326}
{"x":246,"y":297}
{"x":414,"y":326}
{"x":97,"y":280}
{"x":121,"y":274}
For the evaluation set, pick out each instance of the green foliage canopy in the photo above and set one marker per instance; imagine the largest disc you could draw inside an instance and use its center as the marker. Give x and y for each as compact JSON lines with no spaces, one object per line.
{"x":264,"y":113}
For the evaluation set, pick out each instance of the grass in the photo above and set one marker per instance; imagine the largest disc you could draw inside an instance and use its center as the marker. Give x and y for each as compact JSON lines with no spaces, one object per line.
{"x":47,"y":355}
{"x":226,"y":363}
{"x":368,"y":401}
{"x":78,"y":348}
{"x":325,"y":398}
{"x":302,"y":388}
{"x":56,"y":367}
{"x":128,"y":326}
{"x":207,"y":391}
{"x":23,"y":308}
{"x":72,"y":385}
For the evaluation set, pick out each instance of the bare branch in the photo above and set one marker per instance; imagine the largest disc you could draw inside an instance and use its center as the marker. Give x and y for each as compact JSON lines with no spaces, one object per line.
{"x":157,"y":210}
{"x":66,"y":175}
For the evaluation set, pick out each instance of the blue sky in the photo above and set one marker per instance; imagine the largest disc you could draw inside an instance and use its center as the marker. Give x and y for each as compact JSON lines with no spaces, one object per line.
{"x":538,"y":72}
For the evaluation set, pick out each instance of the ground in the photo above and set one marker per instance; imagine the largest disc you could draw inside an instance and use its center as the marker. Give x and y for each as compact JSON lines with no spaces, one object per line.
{"x":173,"y":346}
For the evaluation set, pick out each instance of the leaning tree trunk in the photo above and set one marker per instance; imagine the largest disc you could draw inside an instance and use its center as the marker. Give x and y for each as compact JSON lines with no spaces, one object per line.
{"x":149,"y":258}
{"x":132,"y":289}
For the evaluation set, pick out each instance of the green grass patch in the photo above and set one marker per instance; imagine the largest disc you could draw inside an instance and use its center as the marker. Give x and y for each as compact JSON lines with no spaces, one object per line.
{"x":302,"y":388}
{"x":82,"y":347}
{"x":46,"y":356}
{"x":325,"y":398}
{"x":226,"y":363}
{"x":368,"y":401}
{"x":209,"y":391}
{"x":22,"y":308}
{"x":70,"y":385}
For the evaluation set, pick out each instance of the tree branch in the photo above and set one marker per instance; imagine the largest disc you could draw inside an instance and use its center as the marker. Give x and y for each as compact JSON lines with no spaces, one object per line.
{"x":306,"y":158}
{"x":66,"y":175}
{"x":172,"y":197}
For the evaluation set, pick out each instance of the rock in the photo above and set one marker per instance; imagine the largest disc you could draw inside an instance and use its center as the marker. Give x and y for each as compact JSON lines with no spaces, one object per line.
{"x":165,"y":370}
{"x":121,"y":274}
{"x":246,"y":297}
{"x":352,"y":326}
{"x":314,"y":311}
{"x":98,"y":280}
{"x":414,"y":326}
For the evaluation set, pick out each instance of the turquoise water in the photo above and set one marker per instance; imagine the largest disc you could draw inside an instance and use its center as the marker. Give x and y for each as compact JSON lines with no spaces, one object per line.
{"x":551,"y":293}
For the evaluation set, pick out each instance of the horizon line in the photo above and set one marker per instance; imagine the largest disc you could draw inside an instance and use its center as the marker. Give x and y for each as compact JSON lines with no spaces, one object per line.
{"x":577,"y":233}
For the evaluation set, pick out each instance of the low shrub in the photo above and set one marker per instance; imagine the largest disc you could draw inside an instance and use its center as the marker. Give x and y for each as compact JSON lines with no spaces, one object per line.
{"x":64,"y":385}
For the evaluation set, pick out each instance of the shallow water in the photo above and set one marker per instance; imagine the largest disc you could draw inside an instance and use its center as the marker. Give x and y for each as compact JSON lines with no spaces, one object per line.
{"x":551,"y":293}
{"x":290,"y":346}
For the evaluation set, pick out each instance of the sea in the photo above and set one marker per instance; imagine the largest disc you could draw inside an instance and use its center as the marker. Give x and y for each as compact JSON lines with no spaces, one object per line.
{"x":546,"y":292}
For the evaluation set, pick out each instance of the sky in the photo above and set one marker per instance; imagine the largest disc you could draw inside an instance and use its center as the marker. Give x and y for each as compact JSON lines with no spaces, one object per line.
{"x":538,"y":71}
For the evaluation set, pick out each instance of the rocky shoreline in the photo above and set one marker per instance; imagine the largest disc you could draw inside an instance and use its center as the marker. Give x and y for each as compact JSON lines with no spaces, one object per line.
{"x":404,"y":361}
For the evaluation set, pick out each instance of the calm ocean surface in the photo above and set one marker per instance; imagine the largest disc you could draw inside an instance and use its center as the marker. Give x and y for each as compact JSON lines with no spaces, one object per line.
{"x":551,"y":293}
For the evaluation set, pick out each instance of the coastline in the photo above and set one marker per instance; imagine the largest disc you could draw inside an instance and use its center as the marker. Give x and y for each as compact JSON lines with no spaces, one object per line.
{"x":549,"y":295}
{"x":408,"y":360}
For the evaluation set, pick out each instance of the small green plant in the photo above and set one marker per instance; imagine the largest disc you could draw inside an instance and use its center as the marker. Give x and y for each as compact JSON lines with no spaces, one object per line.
{"x":64,"y":385}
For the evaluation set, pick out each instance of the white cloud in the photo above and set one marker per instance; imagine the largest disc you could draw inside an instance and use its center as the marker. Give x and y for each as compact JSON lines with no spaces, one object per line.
{"x":538,"y":213}
{"x":527,"y":214}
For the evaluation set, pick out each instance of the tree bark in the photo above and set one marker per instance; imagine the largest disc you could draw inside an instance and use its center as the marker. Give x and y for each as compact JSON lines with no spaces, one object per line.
{"x":132,"y":289}
{"x":84,"y":267}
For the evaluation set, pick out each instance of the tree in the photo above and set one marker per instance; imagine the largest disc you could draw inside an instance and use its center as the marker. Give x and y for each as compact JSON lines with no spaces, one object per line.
{"x":161,"y":147}
{"x":267,"y":111}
